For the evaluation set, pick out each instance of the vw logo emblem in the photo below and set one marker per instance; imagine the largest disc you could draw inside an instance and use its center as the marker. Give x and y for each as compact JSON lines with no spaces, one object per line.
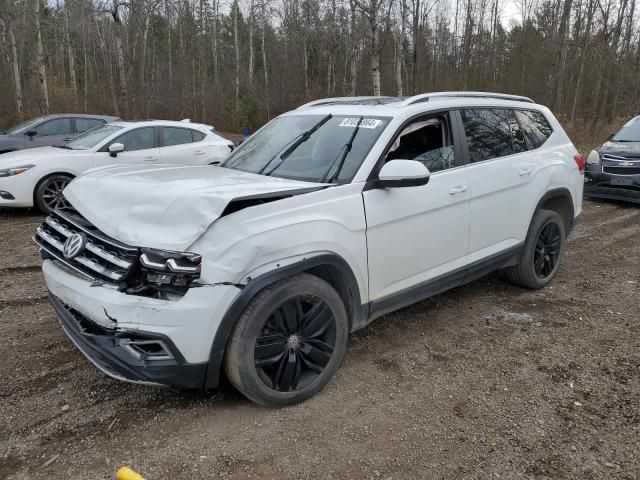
{"x":73,"y":245}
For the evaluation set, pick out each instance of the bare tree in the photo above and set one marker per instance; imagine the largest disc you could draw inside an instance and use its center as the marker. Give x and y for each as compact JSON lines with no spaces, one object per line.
{"x":40,"y":61}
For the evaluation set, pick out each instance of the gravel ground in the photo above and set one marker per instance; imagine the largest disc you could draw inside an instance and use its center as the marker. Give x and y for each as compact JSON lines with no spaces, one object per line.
{"x":485,"y":381}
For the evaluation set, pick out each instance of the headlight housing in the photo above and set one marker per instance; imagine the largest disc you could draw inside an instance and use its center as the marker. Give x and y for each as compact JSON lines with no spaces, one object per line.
{"x":10,"y":172}
{"x":163,"y":268}
{"x":593,"y":158}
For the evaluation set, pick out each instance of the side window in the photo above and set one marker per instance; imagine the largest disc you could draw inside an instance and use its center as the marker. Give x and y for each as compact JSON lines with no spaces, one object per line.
{"x":176,"y":136}
{"x":84,"y":124}
{"x":59,"y":126}
{"x":197,"y":136}
{"x":517,"y":136}
{"x":488,"y":133}
{"x":427,"y":140}
{"x":536,"y":128}
{"x":138,"y":139}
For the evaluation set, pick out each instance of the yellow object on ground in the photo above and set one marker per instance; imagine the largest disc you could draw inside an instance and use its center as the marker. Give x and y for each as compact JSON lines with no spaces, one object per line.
{"x":125,"y":473}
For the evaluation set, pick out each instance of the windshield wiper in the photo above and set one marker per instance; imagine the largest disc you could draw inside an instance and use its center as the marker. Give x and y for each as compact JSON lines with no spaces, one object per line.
{"x":301,"y":139}
{"x":346,"y":148}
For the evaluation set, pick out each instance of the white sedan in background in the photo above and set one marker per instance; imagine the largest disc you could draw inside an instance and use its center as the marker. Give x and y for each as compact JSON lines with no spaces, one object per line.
{"x":37,"y":176}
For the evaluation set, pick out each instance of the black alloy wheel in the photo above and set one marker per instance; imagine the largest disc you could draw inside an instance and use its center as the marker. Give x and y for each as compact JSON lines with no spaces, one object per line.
{"x":288,"y":342}
{"x":547,"y":250}
{"x":295,"y":343}
{"x":541,"y":253}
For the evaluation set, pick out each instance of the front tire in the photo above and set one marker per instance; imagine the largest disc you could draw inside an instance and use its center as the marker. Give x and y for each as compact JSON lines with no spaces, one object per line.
{"x":288,"y":342}
{"x":543,"y":250}
{"x":48,"y":194}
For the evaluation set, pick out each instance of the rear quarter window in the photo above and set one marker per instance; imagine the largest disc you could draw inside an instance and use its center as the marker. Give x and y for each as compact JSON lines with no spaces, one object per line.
{"x":535,"y":126}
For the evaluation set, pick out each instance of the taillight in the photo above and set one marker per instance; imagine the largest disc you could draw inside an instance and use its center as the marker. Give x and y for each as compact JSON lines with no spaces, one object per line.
{"x":579,"y":159}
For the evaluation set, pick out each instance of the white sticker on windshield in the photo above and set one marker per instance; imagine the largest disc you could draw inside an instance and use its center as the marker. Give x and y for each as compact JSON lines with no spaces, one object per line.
{"x":366,"y":122}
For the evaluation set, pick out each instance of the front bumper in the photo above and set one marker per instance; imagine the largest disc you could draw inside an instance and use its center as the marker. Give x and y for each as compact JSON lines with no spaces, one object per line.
{"x":599,"y":184}
{"x":16,"y":191}
{"x":104,"y":349}
{"x":98,"y":318}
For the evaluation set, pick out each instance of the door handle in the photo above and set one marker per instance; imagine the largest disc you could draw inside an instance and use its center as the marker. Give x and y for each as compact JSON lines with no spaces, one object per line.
{"x":458,"y":189}
{"x":199,"y":152}
{"x":525,"y":171}
{"x":150,"y":159}
{"x":67,"y":139}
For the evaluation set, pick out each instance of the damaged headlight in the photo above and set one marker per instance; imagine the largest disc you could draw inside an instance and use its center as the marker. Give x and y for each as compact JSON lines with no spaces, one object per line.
{"x":174,"y":269}
{"x":10,"y":172}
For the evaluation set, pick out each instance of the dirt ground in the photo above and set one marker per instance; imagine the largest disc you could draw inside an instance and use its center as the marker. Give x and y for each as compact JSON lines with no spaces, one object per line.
{"x":485,"y":381}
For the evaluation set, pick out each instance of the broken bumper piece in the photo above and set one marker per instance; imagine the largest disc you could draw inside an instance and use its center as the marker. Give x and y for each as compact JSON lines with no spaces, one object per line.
{"x":128,"y":356}
{"x":140,"y":339}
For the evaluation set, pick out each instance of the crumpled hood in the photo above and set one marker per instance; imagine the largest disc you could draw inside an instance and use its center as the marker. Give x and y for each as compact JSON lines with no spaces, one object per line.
{"x":623,"y":149}
{"x":165,"y":206}
{"x":27,"y":155}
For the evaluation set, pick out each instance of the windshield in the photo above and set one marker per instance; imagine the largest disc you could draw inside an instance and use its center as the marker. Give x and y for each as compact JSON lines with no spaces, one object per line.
{"x":630,"y":132}
{"x":24,"y":126}
{"x":92,"y":138}
{"x":309,"y":147}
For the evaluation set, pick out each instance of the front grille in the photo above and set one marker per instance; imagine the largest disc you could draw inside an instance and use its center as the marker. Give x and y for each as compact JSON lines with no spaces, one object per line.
{"x":617,"y":158}
{"x":101,"y":258}
{"x":615,"y":170}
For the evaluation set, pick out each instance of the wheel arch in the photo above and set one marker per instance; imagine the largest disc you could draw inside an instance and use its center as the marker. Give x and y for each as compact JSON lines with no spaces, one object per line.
{"x":327,"y":266}
{"x":46,"y":176}
{"x":560,"y":201}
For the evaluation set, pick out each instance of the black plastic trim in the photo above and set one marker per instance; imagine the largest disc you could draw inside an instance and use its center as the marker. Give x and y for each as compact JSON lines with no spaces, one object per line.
{"x":443,"y":283}
{"x":257,"y":284}
{"x":613,"y":193}
{"x":559,"y":192}
{"x":102,"y":348}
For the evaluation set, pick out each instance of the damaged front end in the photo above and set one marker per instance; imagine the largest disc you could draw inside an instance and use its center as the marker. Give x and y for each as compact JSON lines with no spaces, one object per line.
{"x":68,"y":238}
{"x":129,"y":355}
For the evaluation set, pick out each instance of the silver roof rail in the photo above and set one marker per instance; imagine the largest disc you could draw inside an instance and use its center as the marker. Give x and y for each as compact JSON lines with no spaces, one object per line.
{"x":341,"y":100}
{"x":425,"y":97}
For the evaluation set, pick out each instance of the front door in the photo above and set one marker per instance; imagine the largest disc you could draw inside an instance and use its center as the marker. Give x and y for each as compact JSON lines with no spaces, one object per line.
{"x":417,"y":237}
{"x":140,"y":147}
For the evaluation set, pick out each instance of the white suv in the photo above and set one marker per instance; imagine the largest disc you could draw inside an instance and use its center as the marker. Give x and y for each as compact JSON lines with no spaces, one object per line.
{"x":328,"y":217}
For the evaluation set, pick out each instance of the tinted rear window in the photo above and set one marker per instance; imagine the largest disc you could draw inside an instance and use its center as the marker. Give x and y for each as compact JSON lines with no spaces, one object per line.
{"x":535,"y":126}
{"x":488,"y":133}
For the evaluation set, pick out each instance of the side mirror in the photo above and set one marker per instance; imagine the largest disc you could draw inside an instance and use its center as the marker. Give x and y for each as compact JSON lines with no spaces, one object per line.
{"x":115,"y":148}
{"x":403,"y":173}
{"x":31,"y":133}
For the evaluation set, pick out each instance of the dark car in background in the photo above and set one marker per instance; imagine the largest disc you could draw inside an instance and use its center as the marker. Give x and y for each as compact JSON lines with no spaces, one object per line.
{"x":613,"y":169}
{"x":49,"y":130}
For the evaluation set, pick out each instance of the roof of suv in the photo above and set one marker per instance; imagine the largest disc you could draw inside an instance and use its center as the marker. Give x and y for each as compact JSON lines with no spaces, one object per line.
{"x":421,"y":98}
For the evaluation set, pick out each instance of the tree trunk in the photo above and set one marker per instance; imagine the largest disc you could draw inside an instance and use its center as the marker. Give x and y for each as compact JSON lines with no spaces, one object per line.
{"x":15,"y":66}
{"x":71,"y":56}
{"x":375,"y":61}
{"x":236,"y":48}
{"x":216,"y":73}
{"x":251,"y":54}
{"x":564,"y":44}
{"x":265,"y":66}
{"x":40,"y":62}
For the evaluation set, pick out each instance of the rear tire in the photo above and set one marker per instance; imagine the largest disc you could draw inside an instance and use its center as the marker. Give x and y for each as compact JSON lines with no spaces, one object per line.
{"x":48,"y":194}
{"x":543,"y":250}
{"x":288,"y":342}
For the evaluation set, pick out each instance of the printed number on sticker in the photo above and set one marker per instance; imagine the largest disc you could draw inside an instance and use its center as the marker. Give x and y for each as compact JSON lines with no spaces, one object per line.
{"x":366,"y":122}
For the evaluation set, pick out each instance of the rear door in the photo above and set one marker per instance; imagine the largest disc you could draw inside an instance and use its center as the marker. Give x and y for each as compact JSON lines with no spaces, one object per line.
{"x":83,"y":124}
{"x":503,"y":175}
{"x":183,"y":146}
